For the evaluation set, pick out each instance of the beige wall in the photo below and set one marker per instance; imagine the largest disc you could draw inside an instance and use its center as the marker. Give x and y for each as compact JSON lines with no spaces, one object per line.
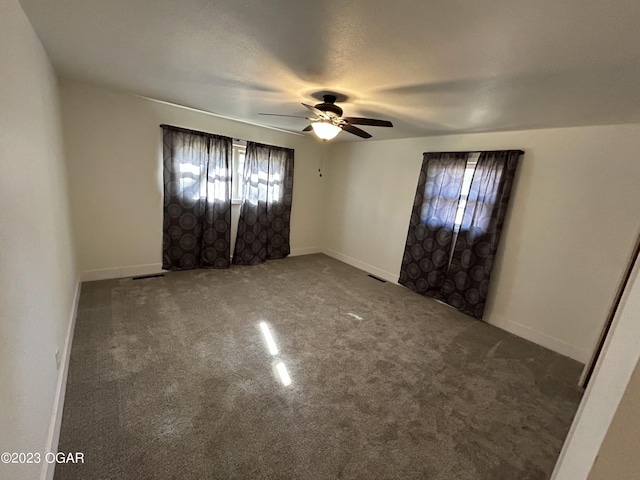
{"x":571,"y":226}
{"x":114,"y":147}
{"x":614,"y":369}
{"x":618,"y":458}
{"x":37,"y":271}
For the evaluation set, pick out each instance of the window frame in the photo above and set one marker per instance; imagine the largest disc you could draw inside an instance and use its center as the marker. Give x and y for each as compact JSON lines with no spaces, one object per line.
{"x":469,"y":172}
{"x":238,"y":156}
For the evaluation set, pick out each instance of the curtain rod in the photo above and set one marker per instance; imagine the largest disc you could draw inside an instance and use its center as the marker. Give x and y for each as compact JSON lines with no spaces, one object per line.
{"x":521,"y":152}
{"x":198,"y":132}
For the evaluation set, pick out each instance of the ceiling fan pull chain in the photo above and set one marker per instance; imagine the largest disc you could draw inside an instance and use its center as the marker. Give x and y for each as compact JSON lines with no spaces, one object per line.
{"x":324,"y":143}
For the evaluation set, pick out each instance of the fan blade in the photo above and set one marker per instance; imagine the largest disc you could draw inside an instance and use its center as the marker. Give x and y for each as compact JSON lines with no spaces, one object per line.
{"x":278,"y":115}
{"x":355,"y":130}
{"x":368,"y":121}
{"x":319,"y":113}
{"x":308,"y":129}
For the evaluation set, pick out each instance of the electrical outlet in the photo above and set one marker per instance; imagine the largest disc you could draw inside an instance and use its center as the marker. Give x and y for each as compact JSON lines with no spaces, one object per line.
{"x":57,"y":358}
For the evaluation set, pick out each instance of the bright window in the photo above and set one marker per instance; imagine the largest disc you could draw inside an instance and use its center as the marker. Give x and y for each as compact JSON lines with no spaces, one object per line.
{"x":472,"y":161}
{"x":239,"y":152}
{"x":466,"y":187}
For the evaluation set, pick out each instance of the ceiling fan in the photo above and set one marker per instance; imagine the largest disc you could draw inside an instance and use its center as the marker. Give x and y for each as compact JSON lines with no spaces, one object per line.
{"x":328,"y":120}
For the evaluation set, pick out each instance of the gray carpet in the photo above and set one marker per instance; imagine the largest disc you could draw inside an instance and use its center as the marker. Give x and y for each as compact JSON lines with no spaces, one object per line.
{"x":171,"y":378}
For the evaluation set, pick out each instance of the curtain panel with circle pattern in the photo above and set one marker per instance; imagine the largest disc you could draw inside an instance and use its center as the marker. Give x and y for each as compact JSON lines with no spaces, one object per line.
{"x":197,"y":199}
{"x":426,"y":253}
{"x":457,"y":274}
{"x":265,"y":213}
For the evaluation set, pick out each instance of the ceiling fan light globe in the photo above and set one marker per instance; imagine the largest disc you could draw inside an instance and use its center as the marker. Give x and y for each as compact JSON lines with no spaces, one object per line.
{"x":325,"y":130}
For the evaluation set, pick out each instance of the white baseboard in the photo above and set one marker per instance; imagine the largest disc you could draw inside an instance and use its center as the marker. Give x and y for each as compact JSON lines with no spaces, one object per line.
{"x":121,"y":272}
{"x":304,"y":251}
{"x":152,"y":268}
{"x":61,"y":388}
{"x":528,"y":333}
{"x":378,"y":272}
{"x":518,"y":329}
{"x":542,"y":339}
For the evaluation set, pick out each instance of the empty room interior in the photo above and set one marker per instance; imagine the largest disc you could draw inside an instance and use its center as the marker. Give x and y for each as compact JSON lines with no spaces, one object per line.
{"x":319,"y":240}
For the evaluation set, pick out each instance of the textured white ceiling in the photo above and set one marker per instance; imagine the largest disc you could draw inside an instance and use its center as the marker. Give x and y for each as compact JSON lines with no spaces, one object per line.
{"x":431,"y":67}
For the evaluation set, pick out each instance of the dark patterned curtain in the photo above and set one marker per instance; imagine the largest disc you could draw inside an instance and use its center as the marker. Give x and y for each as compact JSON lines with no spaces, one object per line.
{"x":197,"y":199}
{"x":265,"y":213}
{"x":467,"y":281}
{"x":428,"y":247}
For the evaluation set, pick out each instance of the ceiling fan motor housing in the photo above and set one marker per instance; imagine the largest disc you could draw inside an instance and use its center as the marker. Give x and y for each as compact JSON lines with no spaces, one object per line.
{"x":329,"y":106}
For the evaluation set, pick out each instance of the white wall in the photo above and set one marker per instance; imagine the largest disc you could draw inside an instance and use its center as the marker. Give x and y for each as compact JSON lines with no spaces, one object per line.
{"x":37,"y":270}
{"x":619,"y":358}
{"x":114,"y":148}
{"x":618,"y":457}
{"x":571,"y":226}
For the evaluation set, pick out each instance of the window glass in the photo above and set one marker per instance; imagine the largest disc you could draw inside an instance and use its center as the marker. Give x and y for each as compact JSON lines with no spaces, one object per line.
{"x":466,"y":187}
{"x":239,"y":152}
